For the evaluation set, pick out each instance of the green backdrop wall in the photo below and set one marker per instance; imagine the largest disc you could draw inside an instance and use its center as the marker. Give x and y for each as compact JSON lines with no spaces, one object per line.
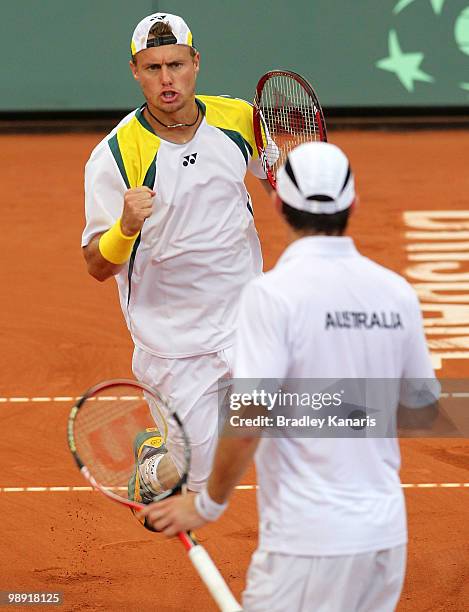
{"x":62,"y":55}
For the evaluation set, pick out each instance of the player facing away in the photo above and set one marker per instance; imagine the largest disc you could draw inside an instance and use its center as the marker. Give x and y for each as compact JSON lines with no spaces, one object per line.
{"x":332,"y":521}
{"x":168,"y":215}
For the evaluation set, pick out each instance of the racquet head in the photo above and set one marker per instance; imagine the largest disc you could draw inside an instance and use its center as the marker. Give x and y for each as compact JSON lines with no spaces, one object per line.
{"x":287,"y":113}
{"x":128,"y":443}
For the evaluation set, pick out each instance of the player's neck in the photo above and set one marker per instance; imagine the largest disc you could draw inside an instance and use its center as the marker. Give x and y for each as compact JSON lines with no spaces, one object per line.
{"x":179,"y":127}
{"x":293,"y":235}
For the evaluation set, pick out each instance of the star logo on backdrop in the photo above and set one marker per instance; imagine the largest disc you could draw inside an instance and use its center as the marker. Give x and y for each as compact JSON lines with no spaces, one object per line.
{"x":406,"y":66}
{"x":402,"y":4}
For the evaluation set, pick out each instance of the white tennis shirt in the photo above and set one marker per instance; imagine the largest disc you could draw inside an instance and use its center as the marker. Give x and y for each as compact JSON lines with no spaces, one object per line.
{"x":325,"y":311}
{"x":200,"y":247}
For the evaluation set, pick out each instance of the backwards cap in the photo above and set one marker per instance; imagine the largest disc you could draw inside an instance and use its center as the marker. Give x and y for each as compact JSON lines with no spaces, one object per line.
{"x":181,"y":33}
{"x":316,"y":178}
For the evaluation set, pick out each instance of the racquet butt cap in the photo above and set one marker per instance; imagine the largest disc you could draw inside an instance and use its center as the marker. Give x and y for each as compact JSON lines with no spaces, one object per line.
{"x":316,"y":178}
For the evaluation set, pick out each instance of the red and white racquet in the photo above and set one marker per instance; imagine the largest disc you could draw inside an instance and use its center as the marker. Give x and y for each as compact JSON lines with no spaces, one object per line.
{"x":107,"y":427}
{"x":287,"y":113}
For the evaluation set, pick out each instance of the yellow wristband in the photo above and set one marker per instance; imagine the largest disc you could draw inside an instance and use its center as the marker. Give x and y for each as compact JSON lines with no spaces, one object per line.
{"x":115,"y":246}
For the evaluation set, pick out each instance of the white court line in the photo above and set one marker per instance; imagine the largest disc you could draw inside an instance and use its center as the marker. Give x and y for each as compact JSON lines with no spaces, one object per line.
{"x":129,"y":398}
{"x":450,"y":485}
{"x":422,"y":485}
{"x":68,"y":398}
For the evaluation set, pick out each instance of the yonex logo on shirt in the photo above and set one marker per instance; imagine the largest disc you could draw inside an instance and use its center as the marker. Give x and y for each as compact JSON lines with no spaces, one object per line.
{"x":189,"y":159}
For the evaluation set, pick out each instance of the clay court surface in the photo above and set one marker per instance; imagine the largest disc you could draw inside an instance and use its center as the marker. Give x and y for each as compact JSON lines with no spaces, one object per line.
{"x":62,"y":331}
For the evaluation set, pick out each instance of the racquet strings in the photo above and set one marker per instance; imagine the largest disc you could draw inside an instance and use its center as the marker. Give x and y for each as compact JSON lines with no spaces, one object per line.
{"x":113,"y":425}
{"x":290,"y":115}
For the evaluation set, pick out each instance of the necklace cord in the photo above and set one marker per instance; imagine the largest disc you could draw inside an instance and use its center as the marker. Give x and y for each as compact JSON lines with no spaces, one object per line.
{"x":175,"y":125}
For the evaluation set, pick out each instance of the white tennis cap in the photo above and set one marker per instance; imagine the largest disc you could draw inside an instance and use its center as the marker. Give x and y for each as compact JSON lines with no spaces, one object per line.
{"x":316,"y":178}
{"x":181,"y":33}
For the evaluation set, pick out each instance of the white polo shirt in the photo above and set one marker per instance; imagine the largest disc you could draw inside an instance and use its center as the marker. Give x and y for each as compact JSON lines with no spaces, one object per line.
{"x":180,"y":289}
{"x":325,"y":311}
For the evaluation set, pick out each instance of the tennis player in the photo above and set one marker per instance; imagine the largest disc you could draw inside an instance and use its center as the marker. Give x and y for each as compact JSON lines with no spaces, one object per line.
{"x":168,"y":215}
{"x":332,"y":516}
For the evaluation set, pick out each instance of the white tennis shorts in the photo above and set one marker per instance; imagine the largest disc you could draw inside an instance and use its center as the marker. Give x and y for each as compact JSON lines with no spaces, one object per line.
{"x":192,"y":387}
{"x":369,"y":582}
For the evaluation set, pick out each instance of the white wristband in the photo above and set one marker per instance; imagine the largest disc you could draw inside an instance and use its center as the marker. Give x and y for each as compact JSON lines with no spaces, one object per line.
{"x":208,"y":509}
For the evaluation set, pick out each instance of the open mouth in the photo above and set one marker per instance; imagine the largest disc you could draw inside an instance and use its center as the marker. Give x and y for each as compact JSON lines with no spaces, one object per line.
{"x":169,"y":96}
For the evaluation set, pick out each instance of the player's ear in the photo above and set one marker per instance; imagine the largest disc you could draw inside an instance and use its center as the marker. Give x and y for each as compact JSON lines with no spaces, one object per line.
{"x":354,"y":204}
{"x":133,"y":68}
{"x":196,"y":60}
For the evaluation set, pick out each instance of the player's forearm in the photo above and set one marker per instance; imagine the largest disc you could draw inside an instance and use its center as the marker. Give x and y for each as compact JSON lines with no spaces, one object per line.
{"x":232,"y":459}
{"x":108,"y":252}
{"x":98,"y":267}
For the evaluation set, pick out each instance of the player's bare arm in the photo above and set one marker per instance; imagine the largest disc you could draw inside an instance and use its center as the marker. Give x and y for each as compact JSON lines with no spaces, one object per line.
{"x":138,"y":206}
{"x":177,"y":514}
{"x":98,"y":267}
{"x":232,"y":459}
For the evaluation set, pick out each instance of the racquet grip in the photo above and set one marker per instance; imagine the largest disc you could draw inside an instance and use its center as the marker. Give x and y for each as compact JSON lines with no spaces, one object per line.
{"x":213,"y":579}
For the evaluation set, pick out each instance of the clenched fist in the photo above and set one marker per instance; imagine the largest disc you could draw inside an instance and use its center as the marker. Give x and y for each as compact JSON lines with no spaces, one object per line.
{"x":138,"y":206}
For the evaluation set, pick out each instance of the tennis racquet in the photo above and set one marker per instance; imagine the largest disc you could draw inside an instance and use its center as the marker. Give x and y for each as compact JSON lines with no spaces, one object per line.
{"x":287,"y":113}
{"x":117,"y":421}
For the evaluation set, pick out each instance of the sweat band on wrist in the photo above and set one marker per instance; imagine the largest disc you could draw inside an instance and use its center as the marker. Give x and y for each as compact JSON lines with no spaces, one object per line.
{"x":208,"y":509}
{"x":115,"y":246}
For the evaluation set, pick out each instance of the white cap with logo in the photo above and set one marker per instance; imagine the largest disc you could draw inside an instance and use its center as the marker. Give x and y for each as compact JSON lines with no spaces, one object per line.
{"x":181,"y":33}
{"x":316,"y":178}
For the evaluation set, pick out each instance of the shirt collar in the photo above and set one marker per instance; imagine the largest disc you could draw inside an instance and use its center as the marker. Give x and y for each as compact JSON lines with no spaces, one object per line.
{"x":320,"y":246}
